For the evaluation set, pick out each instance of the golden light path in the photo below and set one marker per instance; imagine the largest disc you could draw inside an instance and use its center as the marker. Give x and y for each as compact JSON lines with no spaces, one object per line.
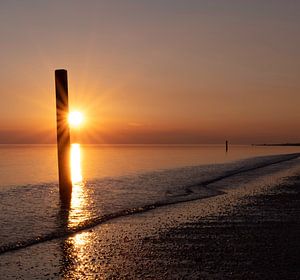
{"x":78,"y":211}
{"x":76,"y":173}
{"x":74,"y":247}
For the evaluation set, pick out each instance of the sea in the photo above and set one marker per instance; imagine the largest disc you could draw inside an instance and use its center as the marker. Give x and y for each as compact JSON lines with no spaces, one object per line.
{"x":111,"y":181}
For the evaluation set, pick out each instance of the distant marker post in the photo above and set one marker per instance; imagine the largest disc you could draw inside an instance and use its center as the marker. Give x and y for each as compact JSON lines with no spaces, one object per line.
{"x":226,"y":146}
{"x":63,"y":135}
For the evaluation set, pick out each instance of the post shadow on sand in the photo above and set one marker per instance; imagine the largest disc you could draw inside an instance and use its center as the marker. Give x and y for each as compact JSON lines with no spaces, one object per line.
{"x":66,"y":247}
{"x":62,"y":223}
{"x":63,"y":136}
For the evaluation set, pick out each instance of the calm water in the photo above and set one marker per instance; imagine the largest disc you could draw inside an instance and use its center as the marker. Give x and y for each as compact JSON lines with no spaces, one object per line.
{"x":112,"y":181}
{"x":32,"y":164}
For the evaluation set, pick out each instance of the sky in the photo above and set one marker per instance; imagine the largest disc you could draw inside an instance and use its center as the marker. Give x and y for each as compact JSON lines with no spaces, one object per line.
{"x":159,"y":71}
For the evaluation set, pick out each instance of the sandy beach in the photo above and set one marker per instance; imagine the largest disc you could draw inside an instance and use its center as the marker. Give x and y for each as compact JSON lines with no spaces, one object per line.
{"x":248,"y":232}
{"x":149,"y":139}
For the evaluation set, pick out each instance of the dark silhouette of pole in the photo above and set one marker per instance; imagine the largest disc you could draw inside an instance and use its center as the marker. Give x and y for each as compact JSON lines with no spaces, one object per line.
{"x":63,"y":135}
{"x":226,"y":146}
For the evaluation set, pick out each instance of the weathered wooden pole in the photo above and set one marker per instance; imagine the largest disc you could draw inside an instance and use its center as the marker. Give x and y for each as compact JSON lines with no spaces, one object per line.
{"x":63,"y":135}
{"x":226,"y":146}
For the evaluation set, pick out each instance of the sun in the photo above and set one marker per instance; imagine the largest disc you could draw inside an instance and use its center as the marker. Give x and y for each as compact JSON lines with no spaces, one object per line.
{"x":75,"y":118}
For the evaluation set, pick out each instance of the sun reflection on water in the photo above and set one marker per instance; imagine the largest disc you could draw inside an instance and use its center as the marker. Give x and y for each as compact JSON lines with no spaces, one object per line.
{"x":76,"y":164}
{"x":78,"y":212}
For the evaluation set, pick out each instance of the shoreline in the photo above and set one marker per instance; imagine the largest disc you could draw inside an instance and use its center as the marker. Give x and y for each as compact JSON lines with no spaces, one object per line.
{"x":177,"y":241}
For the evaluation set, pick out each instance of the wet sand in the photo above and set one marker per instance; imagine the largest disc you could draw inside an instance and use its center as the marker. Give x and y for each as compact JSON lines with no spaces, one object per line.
{"x":249,"y":232}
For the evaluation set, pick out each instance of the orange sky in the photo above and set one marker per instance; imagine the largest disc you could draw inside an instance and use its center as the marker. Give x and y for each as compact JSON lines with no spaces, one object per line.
{"x":142,"y":71}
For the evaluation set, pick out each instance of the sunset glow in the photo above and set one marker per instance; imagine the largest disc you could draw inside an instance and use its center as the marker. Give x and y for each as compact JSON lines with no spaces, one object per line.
{"x":149,"y":139}
{"x":200,"y":73}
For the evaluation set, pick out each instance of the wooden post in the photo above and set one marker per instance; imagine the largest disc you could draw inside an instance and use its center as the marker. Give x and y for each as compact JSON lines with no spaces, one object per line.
{"x":226,"y":146}
{"x":63,"y":135}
